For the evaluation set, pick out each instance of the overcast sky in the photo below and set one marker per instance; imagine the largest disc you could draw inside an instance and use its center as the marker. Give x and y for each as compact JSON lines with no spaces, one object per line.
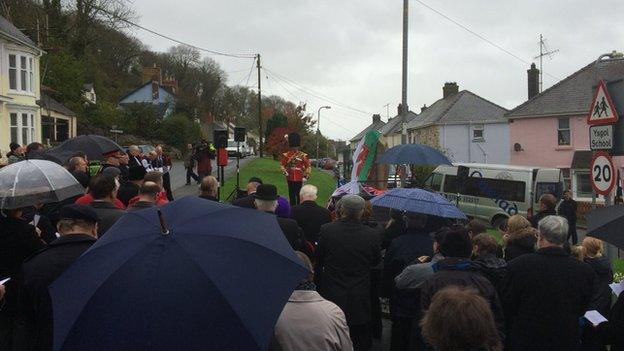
{"x":350,"y":51}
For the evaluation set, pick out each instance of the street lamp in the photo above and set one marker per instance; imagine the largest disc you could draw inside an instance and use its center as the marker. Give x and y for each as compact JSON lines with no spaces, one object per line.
{"x":318,"y":131}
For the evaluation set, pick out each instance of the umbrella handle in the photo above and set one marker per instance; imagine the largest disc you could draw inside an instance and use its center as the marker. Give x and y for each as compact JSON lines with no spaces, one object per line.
{"x":163,"y":227}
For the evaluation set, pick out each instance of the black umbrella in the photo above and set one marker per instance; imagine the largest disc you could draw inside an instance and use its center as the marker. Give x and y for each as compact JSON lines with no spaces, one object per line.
{"x":606,"y":224}
{"x":58,"y":156}
{"x":94,"y":146}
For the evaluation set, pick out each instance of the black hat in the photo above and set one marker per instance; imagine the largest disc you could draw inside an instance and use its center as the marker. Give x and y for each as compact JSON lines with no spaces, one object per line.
{"x":266,"y":192}
{"x":136,"y":173}
{"x":13,"y":145}
{"x":255,"y":180}
{"x":75,"y":211}
{"x":111,"y":172}
{"x":294,"y":140}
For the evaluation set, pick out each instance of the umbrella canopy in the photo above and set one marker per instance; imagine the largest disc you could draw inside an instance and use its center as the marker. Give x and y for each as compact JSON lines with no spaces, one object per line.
{"x":31,"y":182}
{"x":606,"y":223}
{"x":418,"y":201}
{"x":95,"y":146}
{"x":215,"y":282}
{"x":59,"y":156}
{"x":414,"y":154}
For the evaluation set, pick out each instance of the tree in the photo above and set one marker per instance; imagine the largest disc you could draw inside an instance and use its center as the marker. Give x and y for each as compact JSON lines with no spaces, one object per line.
{"x":276,"y":143}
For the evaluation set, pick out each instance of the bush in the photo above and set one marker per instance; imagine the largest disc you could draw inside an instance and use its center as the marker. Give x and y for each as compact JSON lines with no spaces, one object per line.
{"x":178,"y":130}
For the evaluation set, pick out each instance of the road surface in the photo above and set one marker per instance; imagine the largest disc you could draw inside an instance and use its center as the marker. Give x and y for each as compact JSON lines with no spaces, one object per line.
{"x":178,"y":177}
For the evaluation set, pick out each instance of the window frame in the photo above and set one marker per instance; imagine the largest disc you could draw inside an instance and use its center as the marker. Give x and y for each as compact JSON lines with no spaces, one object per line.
{"x":478,"y":128}
{"x":23,"y":73}
{"x":560,"y":130}
{"x":21,"y":129}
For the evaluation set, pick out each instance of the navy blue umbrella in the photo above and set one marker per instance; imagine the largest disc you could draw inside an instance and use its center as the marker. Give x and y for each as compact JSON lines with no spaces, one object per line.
{"x":418,"y":201}
{"x":414,"y":154}
{"x":216,"y":279}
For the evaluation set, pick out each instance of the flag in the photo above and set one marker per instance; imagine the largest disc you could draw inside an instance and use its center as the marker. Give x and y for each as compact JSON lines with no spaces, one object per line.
{"x":364,"y":156}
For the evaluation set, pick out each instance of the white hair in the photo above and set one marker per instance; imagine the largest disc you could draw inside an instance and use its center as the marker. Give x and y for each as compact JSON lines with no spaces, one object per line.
{"x":554,"y":229}
{"x":266,"y":205}
{"x":308,"y":192}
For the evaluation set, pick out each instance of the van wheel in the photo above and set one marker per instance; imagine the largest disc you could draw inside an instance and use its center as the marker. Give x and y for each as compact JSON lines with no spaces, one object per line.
{"x":499,"y":222}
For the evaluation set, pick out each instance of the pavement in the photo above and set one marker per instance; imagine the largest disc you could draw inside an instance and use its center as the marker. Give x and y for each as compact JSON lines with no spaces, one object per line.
{"x":178,"y":176}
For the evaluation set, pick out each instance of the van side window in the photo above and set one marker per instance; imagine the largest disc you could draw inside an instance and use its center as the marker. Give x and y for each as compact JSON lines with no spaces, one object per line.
{"x":433,"y":182}
{"x":511,"y":190}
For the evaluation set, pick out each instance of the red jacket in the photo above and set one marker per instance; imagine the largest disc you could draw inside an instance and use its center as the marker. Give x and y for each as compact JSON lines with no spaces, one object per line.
{"x":161,"y":199}
{"x":88,"y":198}
{"x":296,"y":164}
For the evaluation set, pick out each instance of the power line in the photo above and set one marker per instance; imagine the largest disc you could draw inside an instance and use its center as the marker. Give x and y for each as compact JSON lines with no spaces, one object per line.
{"x":481,"y":36}
{"x":248,"y":75}
{"x":316,"y":94}
{"x":244,"y":56}
{"x":348,"y":112}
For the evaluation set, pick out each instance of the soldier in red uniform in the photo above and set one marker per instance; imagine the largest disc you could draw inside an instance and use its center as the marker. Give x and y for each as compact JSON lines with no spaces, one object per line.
{"x":295,"y":166}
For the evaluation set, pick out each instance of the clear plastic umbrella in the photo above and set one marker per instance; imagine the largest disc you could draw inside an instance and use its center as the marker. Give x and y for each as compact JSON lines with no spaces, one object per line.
{"x":31,"y":182}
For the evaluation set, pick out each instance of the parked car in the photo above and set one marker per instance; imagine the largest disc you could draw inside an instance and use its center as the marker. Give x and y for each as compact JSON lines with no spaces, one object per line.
{"x":238,"y":148}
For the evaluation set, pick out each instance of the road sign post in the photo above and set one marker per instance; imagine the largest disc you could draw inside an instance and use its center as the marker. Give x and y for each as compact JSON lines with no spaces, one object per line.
{"x":603,"y":173}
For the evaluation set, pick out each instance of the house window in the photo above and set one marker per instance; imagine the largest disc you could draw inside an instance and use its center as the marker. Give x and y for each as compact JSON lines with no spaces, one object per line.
{"x":563,"y":131}
{"x":582,"y":184}
{"x":21,"y":73}
{"x":22,"y":127}
{"x":477,"y":133}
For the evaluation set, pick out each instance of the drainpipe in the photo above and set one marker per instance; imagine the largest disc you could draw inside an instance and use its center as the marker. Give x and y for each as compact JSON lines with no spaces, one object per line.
{"x":469,"y":142}
{"x":483,"y":151}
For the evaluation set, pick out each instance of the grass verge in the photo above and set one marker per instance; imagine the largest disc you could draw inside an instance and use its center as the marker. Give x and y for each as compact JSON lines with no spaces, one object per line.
{"x":269,"y":171}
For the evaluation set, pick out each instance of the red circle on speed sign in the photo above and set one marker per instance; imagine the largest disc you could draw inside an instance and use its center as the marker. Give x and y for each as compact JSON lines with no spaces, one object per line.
{"x":602,"y":173}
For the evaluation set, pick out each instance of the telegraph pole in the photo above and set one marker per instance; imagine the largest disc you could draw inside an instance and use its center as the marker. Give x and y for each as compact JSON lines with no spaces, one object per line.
{"x":261,"y":147}
{"x":404,"y":83}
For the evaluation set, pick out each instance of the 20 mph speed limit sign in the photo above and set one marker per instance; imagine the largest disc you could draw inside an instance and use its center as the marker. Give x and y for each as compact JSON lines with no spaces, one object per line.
{"x":603,"y":173}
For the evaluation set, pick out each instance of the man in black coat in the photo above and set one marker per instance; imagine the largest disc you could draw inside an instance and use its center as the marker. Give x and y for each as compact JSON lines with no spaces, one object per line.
{"x":104,"y":190}
{"x":545,"y":293}
{"x":308,"y":214}
{"x":567,"y":209}
{"x":455,"y":269}
{"x":547,"y":204}
{"x":33,"y":323}
{"x":248,"y":200}
{"x":347,"y":251}
{"x":266,"y":201}
{"x":18,"y":240}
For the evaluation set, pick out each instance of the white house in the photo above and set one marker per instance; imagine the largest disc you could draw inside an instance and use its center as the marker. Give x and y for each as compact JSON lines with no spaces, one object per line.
{"x":465,"y":126}
{"x":20,"y":120}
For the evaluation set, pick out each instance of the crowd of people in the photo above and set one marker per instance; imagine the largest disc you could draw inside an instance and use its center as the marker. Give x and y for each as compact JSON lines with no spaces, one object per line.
{"x":450,"y":286}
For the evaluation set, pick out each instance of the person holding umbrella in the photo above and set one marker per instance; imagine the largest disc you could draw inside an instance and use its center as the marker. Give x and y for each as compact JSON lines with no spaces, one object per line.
{"x":78,"y":229}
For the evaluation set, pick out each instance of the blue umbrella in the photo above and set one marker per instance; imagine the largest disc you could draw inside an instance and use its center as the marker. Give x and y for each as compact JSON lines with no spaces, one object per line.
{"x":418,"y":201}
{"x":208,"y":277}
{"x":414,"y":154}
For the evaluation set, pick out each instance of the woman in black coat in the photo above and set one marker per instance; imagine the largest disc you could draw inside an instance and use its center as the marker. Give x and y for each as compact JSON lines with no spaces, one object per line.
{"x":520,"y":238}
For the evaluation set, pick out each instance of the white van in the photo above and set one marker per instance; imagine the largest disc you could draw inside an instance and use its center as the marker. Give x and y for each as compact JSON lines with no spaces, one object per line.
{"x":493,"y":193}
{"x":234,"y":147}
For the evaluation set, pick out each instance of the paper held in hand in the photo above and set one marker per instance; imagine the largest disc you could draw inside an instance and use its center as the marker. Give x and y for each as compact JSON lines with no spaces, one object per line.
{"x":617,"y":288}
{"x":595,"y":318}
{"x":4,"y":281}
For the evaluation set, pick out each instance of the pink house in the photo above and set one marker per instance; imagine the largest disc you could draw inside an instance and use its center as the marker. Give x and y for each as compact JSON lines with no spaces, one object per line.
{"x":550,"y":129}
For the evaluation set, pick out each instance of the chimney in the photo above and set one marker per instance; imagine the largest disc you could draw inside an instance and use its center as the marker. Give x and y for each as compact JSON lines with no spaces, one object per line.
{"x":376,"y":118}
{"x":449,"y":89}
{"x":423,"y":108}
{"x":533,"y":80}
